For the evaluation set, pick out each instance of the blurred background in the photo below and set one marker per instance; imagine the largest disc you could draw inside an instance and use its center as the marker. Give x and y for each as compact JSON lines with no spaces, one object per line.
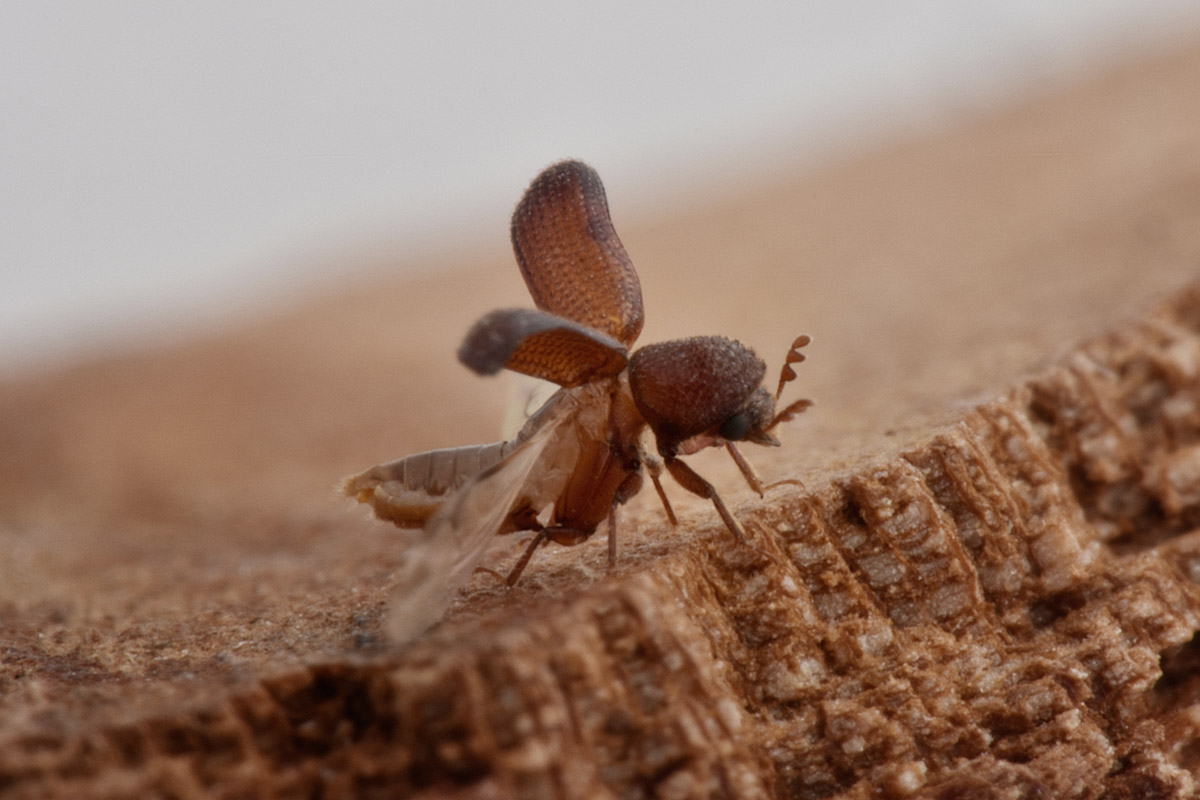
{"x":165,"y":168}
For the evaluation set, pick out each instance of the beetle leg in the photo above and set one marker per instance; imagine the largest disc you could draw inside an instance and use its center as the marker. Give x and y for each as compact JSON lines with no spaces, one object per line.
{"x":655,"y":468}
{"x":522,"y":519}
{"x":515,"y":574}
{"x":688,"y":479}
{"x":746,"y":467}
{"x":631,"y":485}
{"x":558,"y":534}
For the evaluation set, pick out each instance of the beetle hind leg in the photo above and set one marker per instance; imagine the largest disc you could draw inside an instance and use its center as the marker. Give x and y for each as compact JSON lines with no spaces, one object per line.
{"x":515,"y":574}
{"x":655,"y":468}
{"x":552,"y":533}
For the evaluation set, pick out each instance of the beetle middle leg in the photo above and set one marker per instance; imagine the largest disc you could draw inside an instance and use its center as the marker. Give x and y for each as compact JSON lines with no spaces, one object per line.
{"x":655,"y":468}
{"x":631,"y":485}
{"x":690,"y":480}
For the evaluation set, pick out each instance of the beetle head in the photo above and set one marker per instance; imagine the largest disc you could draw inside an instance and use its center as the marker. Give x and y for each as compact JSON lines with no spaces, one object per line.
{"x":700,"y":392}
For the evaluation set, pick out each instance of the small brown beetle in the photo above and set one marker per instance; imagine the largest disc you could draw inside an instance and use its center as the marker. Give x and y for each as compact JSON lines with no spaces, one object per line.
{"x":581,"y":455}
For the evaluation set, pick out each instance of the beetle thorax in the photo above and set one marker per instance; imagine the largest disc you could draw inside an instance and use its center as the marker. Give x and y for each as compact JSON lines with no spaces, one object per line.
{"x":693,"y":387}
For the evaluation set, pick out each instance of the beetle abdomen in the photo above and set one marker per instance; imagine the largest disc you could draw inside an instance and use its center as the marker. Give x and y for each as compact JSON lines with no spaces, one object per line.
{"x":407,"y":491}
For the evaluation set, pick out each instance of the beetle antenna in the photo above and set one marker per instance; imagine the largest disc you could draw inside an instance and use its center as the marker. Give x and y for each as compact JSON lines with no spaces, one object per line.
{"x":787,"y":374}
{"x":792,"y":410}
{"x":794,"y":356}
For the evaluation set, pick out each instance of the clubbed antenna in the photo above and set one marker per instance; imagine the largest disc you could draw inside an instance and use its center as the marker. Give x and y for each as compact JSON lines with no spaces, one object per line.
{"x":794,"y":356}
{"x":789,"y":412}
{"x":787,"y":374}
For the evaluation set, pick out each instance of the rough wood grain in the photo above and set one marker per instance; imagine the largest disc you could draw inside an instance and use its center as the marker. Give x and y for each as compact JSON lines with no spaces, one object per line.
{"x":988,"y":587}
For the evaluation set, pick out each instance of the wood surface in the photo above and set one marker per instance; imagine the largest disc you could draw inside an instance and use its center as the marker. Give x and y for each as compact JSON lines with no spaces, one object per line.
{"x":987,"y":586}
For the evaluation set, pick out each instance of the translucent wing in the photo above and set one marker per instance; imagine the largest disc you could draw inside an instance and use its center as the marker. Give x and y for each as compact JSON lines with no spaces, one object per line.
{"x":446,"y":551}
{"x":573,"y":262}
{"x":525,"y":396}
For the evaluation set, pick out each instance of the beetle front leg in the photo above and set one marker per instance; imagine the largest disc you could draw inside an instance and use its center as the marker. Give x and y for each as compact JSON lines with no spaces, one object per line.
{"x":688,"y":479}
{"x":655,"y":468}
{"x":746,"y":467}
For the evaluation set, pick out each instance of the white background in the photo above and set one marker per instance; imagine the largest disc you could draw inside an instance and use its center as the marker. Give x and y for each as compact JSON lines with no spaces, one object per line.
{"x":168,"y":164}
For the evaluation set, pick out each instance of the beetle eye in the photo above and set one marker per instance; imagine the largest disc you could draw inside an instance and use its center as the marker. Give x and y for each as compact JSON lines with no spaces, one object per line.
{"x":736,"y":427}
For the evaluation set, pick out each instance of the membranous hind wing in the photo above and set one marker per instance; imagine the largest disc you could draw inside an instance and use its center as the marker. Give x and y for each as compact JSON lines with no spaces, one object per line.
{"x":445,"y":553}
{"x":573,"y":262}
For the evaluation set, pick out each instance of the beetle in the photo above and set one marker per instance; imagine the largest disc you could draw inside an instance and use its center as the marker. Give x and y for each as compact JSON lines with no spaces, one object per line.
{"x":581,"y":455}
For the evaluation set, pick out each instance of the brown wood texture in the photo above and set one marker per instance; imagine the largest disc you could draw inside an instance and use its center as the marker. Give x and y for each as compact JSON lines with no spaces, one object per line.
{"x":986,"y":588}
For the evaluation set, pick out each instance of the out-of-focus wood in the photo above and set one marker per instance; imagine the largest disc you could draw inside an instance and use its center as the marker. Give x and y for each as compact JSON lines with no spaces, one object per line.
{"x":987,"y":585}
